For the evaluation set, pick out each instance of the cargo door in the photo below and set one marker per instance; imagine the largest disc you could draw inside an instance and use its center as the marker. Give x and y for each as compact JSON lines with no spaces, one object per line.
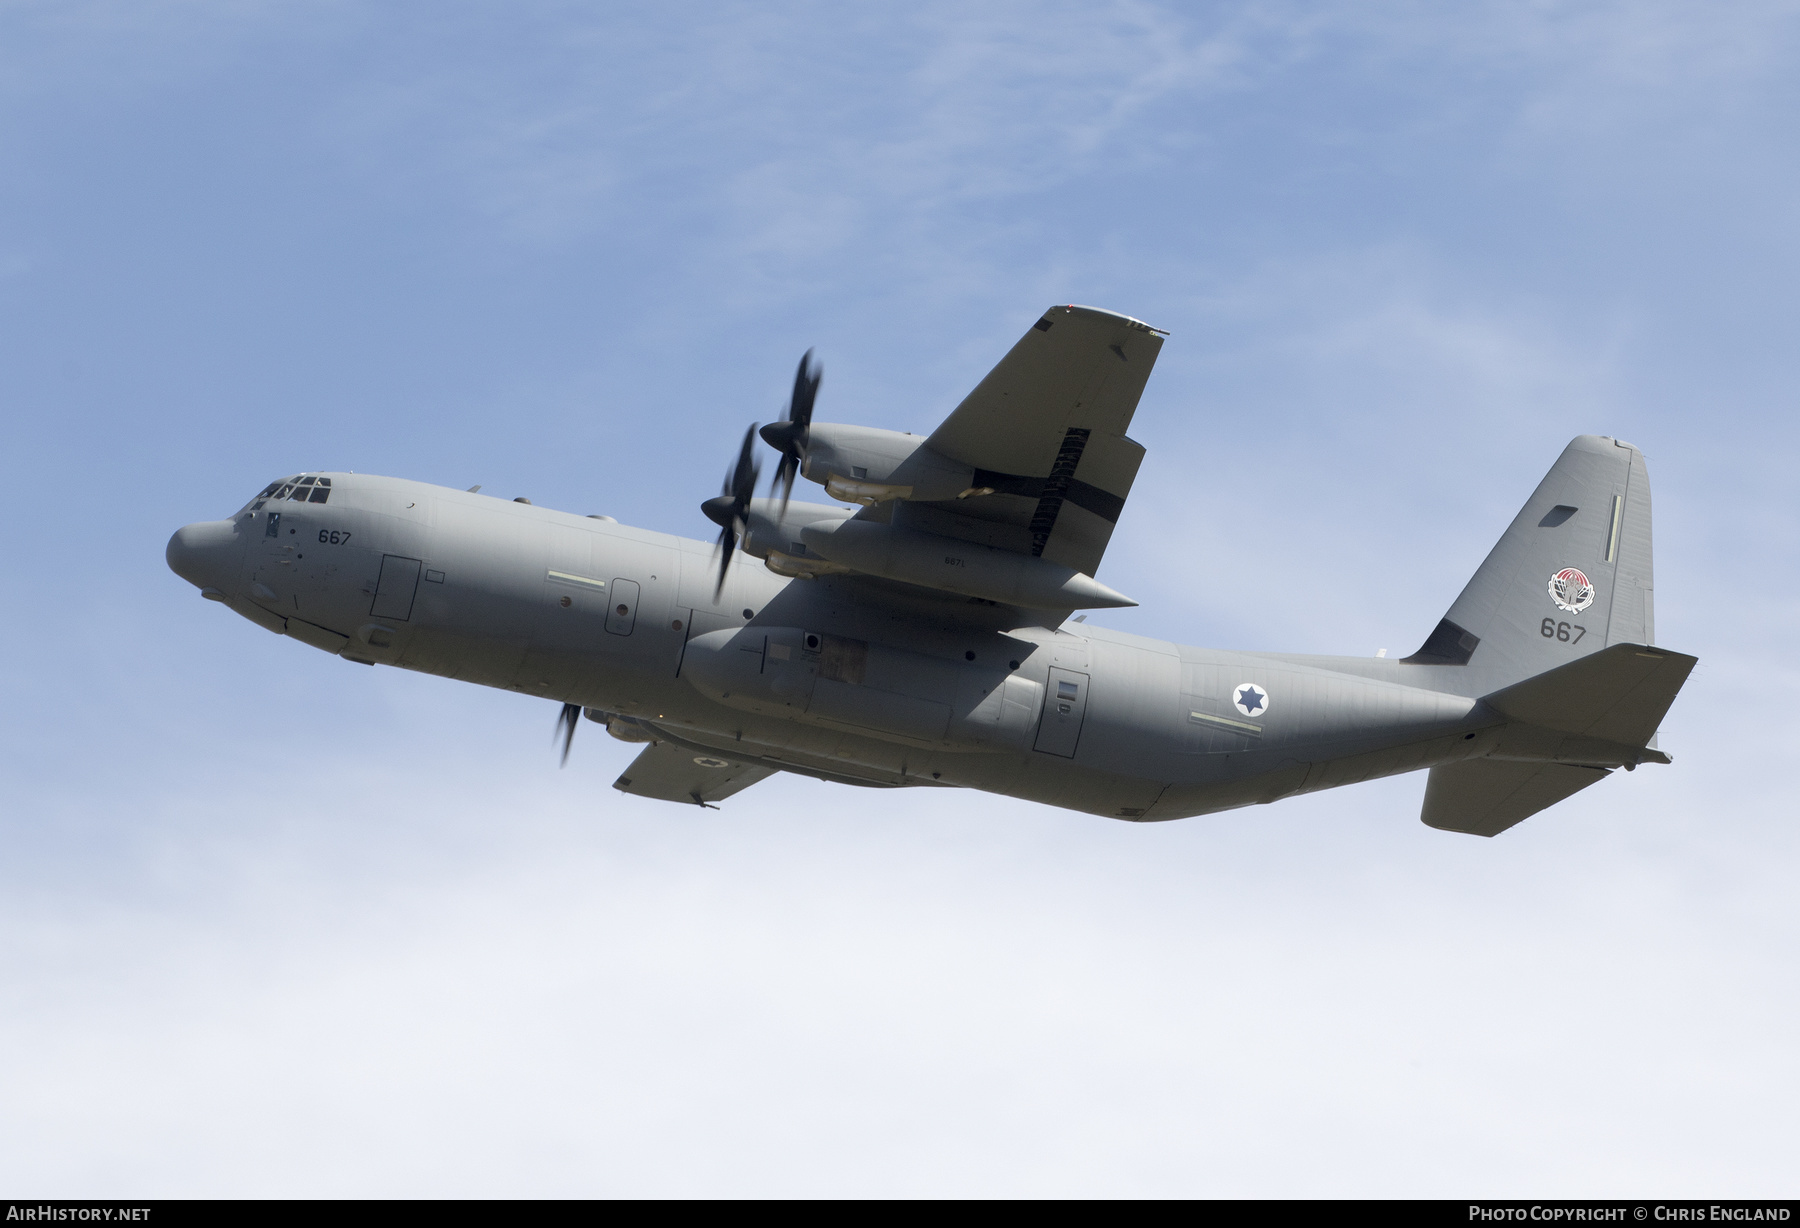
{"x":395,"y":590}
{"x":1065,"y":702}
{"x":621,"y":607}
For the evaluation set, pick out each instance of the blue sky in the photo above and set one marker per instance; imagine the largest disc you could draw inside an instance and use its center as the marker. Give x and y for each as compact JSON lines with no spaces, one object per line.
{"x":270,"y":923}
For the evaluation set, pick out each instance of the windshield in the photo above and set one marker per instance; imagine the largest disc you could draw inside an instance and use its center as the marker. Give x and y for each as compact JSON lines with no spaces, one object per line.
{"x":303,"y":488}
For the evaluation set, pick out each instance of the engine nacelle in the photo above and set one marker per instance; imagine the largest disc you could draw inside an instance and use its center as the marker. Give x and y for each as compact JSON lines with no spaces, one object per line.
{"x":772,"y":530}
{"x":864,"y":464}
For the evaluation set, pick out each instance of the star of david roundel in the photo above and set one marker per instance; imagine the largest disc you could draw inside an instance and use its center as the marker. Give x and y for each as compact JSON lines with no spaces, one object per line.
{"x":1571,"y":591}
{"x":1250,"y":699}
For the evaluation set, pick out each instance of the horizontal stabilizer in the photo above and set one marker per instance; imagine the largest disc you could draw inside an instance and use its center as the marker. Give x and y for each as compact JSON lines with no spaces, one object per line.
{"x":1618,"y":694}
{"x":673,"y":773}
{"x":1484,"y":797}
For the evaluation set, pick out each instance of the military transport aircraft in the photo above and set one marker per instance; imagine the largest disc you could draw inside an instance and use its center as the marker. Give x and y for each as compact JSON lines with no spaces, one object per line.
{"x":921,"y":636}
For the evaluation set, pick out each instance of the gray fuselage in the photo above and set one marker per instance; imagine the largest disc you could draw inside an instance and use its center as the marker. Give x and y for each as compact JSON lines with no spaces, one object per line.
{"x":866,"y":683}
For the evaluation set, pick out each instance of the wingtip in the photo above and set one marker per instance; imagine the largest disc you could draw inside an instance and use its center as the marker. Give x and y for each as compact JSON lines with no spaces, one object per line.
{"x":1117,"y":317}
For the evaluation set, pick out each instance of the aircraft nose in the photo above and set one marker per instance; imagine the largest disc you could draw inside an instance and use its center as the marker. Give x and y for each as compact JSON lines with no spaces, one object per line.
{"x":205,"y":554}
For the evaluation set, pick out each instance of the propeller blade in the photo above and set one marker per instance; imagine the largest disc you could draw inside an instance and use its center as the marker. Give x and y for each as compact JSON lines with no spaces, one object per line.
{"x":790,"y":437}
{"x":743,"y":478}
{"x":727,"y":546}
{"x":731,"y":509}
{"x":565,"y":725}
{"x":784,"y":478}
{"x":806,"y":391}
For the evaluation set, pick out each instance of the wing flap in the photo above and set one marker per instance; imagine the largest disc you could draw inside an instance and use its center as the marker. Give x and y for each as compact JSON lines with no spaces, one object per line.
{"x":1044,"y":434}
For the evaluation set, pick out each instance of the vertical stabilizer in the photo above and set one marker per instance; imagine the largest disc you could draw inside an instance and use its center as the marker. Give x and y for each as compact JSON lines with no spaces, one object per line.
{"x":1571,"y":576}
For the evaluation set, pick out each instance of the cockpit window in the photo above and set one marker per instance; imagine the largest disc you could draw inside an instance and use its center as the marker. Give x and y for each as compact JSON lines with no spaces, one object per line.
{"x":271,"y":488}
{"x":301,"y":489}
{"x":308,"y":489}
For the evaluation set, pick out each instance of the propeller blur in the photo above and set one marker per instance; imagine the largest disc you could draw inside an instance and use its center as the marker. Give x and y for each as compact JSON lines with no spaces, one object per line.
{"x":790,"y":436}
{"x":730,"y":509}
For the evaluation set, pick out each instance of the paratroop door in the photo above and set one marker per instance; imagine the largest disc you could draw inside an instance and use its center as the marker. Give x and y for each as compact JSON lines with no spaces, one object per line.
{"x":621,"y":607}
{"x":1065,"y":702}
{"x":394,"y":592}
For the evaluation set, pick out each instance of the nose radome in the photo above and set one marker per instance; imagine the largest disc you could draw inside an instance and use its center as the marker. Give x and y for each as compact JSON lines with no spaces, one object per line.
{"x":205,"y":554}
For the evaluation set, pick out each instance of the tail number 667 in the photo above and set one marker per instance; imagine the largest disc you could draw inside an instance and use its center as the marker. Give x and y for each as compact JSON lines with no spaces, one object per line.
{"x":1550,"y":629}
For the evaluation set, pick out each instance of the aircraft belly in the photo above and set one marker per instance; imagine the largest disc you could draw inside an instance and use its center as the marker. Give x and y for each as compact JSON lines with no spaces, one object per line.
{"x":812,"y":749}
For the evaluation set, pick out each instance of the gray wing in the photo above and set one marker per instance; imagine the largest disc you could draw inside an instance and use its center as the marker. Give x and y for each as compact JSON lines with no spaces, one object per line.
{"x":1045,"y":434}
{"x":672,"y":773}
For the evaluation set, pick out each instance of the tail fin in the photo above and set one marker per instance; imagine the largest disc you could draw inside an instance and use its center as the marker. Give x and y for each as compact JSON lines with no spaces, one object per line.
{"x":1570,"y":577}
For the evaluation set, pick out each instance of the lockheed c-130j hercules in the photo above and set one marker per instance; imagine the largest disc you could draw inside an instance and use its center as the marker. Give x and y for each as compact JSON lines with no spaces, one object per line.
{"x":922,"y":637}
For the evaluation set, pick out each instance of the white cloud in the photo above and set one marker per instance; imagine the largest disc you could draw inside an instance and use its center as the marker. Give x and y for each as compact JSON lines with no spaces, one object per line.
{"x":494,"y":985}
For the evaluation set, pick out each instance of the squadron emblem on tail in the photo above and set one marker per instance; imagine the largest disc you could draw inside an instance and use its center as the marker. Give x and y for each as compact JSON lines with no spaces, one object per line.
{"x":1571,"y":591}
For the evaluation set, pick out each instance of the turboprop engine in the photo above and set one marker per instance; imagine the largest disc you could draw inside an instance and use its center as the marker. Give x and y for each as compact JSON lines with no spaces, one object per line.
{"x":864,"y":464}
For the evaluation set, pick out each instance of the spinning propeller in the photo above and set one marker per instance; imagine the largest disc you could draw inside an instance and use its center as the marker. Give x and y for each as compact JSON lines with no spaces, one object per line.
{"x":790,"y":437}
{"x":565,"y":725}
{"x":730,"y":509}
